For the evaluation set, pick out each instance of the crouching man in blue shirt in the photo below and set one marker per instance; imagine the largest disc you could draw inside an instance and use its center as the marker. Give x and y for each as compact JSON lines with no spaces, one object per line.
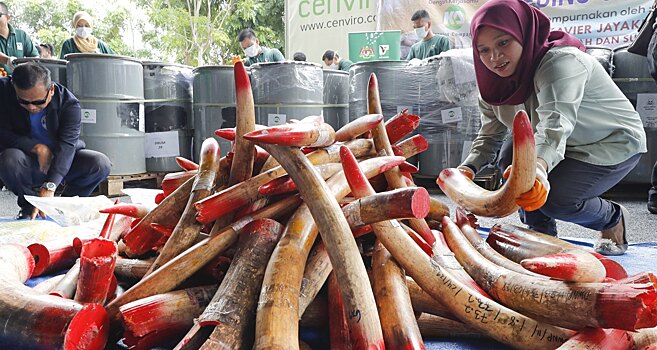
{"x":40,"y":140}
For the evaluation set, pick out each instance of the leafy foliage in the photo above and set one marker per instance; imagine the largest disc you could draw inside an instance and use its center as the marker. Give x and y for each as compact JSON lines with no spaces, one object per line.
{"x":192,"y":32}
{"x":198,"y":32}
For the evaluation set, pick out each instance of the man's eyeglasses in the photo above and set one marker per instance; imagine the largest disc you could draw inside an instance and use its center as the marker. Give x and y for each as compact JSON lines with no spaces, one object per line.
{"x":34,"y":103}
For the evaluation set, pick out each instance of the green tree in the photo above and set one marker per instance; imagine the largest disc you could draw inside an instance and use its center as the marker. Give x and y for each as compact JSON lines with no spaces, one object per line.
{"x":199,"y":32}
{"x":192,"y":32}
{"x":188,"y":30}
{"x":50,"y":21}
{"x":264,"y":17}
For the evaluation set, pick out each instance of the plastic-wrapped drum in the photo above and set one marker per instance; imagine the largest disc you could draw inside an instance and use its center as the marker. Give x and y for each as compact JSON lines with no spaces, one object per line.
{"x":213,"y":104}
{"x":168,"y":114}
{"x":448,"y":107}
{"x":604,"y":55}
{"x":336,"y":98}
{"x":286,"y":90}
{"x":394,"y":87}
{"x":111,"y":92}
{"x":632,"y":76}
{"x":56,"y":67}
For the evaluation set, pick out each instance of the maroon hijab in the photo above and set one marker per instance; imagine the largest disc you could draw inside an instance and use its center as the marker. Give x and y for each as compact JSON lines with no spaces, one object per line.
{"x":531,"y":28}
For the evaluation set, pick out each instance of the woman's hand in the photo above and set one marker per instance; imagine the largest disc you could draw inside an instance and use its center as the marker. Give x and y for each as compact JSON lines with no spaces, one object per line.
{"x":537,"y":196}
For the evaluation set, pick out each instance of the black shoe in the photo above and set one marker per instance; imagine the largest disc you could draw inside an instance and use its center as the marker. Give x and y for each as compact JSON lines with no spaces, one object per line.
{"x":24,"y":214}
{"x":652,"y":200}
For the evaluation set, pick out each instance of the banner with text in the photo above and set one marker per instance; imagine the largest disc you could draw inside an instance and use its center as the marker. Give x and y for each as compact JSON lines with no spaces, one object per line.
{"x":596,"y":22}
{"x":314,"y":26}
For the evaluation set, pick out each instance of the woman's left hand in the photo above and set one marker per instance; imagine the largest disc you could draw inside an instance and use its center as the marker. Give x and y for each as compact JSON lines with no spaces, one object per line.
{"x":537,"y":196}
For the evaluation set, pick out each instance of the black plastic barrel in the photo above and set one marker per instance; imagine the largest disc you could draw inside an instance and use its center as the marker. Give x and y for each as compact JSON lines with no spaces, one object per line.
{"x":56,"y":67}
{"x":168,"y":113}
{"x":336,"y":98}
{"x":632,"y":76}
{"x":213,"y":104}
{"x":286,"y":90}
{"x":604,"y":55}
{"x":448,"y":107}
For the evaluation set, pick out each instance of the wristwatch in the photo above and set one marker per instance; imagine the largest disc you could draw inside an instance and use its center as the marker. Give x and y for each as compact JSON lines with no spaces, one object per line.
{"x":50,"y":186}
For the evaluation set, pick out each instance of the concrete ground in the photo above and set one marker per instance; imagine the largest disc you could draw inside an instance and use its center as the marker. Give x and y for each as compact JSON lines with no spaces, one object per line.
{"x":642,"y":226}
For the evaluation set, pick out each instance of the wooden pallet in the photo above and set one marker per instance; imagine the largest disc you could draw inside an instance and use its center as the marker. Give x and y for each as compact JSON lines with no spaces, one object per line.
{"x":114,"y":184}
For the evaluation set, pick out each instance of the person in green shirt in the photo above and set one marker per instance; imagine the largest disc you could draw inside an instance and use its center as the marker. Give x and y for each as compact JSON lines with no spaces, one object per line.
{"x":255,"y":53}
{"x":333,"y":61}
{"x":430,"y":44}
{"x":14,"y":43}
{"x":83,"y":41}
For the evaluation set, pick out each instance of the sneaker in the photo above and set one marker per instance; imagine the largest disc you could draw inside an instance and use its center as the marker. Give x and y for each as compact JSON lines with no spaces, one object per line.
{"x":652,"y":200}
{"x":609,"y":244}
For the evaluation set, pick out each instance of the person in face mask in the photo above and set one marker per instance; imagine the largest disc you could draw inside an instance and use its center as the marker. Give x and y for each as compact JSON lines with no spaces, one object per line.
{"x":14,"y":42}
{"x":332,"y":60}
{"x":430,"y":44}
{"x":83,"y":39}
{"x":254,"y":52}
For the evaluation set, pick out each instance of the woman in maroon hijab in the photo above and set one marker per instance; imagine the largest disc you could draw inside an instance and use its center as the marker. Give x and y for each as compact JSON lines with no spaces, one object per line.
{"x":588,"y":135}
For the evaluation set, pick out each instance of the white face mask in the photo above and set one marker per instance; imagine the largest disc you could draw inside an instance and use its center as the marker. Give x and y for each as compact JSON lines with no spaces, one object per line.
{"x":83,"y":32}
{"x":251,"y":51}
{"x":332,"y":66}
{"x":421,"y":32}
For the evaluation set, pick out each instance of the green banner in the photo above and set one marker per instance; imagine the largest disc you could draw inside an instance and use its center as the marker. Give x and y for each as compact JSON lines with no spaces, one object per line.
{"x":374,"y":46}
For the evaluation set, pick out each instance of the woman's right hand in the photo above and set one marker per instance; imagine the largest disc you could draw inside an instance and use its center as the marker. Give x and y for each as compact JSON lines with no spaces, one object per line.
{"x":537,"y":196}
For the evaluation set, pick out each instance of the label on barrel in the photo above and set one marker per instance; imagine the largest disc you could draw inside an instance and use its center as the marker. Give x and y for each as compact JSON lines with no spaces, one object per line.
{"x":88,"y":116}
{"x":276,"y":119}
{"x":646,"y":105}
{"x":161,"y":144}
{"x":452,"y":115}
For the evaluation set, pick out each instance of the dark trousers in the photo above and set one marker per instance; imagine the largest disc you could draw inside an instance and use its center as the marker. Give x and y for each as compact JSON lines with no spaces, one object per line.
{"x":20,"y":173}
{"x":575,"y":194}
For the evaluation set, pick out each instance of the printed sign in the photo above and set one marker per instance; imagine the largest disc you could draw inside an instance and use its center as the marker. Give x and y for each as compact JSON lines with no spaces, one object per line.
{"x":88,"y":116}
{"x":646,"y":105}
{"x":276,"y":119}
{"x":330,"y":20}
{"x":373,"y":46}
{"x":161,"y":144}
{"x":452,"y":115}
{"x":604,"y":23}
